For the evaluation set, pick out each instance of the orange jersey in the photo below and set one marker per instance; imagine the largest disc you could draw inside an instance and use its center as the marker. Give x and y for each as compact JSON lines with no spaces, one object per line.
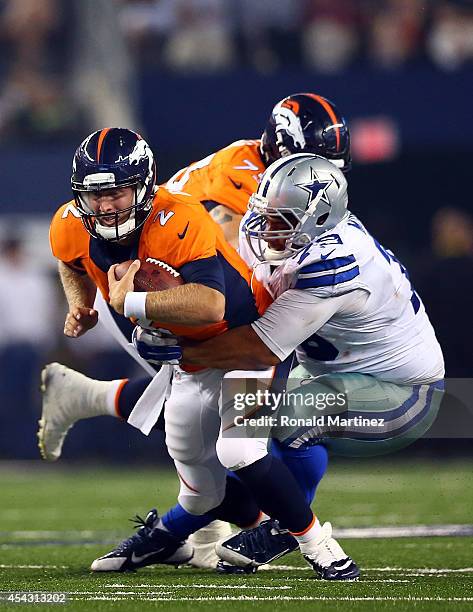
{"x":226,"y":177}
{"x":183,"y":236}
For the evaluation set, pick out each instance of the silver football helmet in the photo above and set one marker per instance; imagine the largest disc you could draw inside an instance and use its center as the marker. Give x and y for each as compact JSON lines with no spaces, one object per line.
{"x":299,"y":198}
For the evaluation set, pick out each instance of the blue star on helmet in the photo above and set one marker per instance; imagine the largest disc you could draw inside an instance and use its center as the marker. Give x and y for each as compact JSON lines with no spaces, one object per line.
{"x":316,"y":188}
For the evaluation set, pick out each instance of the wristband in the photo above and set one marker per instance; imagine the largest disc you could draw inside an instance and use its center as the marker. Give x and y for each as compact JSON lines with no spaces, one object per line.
{"x":135,"y":304}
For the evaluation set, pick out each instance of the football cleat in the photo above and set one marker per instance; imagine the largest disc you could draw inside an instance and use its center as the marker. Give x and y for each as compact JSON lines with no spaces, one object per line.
{"x":68,"y":396}
{"x":60,"y":404}
{"x":257,"y":546}
{"x":148,"y":546}
{"x":328,"y":559}
{"x":226,"y":568}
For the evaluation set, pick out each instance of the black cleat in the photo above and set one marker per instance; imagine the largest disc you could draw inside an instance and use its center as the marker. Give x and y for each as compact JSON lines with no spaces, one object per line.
{"x":148,"y":546}
{"x":345,"y":569}
{"x":327,"y":558}
{"x":257,"y":546}
{"x":226,"y":568}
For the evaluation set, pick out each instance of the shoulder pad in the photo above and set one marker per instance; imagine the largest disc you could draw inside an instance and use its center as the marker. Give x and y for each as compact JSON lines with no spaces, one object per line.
{"x":327,"y":263}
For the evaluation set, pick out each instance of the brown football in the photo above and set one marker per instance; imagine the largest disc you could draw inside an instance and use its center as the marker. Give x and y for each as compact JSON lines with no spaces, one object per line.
{"x":153,"y":275}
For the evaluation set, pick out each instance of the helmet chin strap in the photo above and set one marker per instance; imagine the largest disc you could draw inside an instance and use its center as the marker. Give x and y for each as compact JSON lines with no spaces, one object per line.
{"x":113,"y":232}
{"x":276,"y":258}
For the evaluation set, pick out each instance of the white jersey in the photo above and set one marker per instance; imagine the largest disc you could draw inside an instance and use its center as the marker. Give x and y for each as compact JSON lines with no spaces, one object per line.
{"x":374,"y":321}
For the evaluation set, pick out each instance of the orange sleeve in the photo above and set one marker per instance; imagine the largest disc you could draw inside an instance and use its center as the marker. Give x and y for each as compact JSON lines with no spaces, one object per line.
{"x":233,"y":176}
{"x":68,"y":238}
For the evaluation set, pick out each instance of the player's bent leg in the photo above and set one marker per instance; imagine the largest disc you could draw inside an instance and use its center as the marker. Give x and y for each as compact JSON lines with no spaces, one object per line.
{"x":192,"y":424}
{"x":69,"y":396}
{"x":379,"y":417}
{"x":279,"y":495}
{"x":308,"y":463}
{"x":276,"y":493}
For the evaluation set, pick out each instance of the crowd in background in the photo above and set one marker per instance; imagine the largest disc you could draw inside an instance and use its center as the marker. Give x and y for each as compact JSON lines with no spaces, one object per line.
{"x":326,"y":35}
{"x":46,"y":45}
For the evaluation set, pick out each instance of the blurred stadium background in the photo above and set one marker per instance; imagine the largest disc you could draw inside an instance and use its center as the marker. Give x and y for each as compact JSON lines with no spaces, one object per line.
{"x":192,"y":76}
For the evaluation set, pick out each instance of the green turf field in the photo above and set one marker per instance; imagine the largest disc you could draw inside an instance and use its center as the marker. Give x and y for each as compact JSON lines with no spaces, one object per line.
{"x":55,"y":520}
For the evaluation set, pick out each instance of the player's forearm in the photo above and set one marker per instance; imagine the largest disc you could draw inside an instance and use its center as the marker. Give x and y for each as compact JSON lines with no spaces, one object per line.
{"x":237,"y":349}
{"x":79,"y":289}
{"x":190,"y":304}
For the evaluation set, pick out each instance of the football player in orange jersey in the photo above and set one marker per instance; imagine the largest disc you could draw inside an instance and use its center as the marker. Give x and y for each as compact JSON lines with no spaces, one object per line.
{"x":118,"y":215}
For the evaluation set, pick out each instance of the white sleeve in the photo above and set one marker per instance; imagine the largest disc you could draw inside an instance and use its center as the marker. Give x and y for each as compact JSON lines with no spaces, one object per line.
{"x":296,"y":315}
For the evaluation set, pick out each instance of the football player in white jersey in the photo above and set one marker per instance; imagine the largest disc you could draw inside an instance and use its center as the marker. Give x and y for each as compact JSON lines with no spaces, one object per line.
{"x":346,"y":306}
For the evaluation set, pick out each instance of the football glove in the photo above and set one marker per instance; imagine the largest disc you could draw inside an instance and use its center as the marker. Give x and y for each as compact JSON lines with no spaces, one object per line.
{"x":156,"y":347}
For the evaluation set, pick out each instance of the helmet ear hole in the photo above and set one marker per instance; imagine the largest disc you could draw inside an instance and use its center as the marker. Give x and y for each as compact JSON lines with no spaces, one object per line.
{"x":321,"y":220}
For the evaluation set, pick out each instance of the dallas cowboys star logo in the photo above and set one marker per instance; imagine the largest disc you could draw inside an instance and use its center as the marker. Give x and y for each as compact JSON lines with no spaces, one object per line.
{"x":316,"y":188}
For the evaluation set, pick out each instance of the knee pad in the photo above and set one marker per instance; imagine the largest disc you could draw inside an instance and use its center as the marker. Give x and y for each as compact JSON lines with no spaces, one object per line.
{"x":200,"y":503}
{"x":236,"y":453}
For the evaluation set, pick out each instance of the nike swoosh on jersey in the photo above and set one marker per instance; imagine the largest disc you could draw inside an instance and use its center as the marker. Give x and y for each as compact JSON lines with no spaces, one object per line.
{"x":182,"y":236}
{"x":138,"y":558}
{"x":235,"y":184}
{"x":328,"y":254}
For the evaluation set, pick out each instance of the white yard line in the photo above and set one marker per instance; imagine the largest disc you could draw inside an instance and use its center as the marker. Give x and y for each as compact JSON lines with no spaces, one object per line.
{"x":418,"y":570}
{"x":276,"y":598}
{"x":395,"y":531}
{"x":195,"y":586}
{"x":408,"y":531}
{"x":2,"y":566}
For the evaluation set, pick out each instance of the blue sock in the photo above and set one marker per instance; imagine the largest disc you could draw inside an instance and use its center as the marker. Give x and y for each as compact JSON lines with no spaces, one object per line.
{"x":130,"y":394}
{"x":181,"y":523}
{"x":307,"y":463}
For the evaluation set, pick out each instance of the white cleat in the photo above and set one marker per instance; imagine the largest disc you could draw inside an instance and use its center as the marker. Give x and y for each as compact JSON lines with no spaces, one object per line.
{"x":327,"y":557}
{"x":68,"y":396}
{"x":204,"y":541}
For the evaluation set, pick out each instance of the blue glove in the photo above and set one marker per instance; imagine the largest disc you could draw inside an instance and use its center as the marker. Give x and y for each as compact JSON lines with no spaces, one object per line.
{"x":156,"y":347}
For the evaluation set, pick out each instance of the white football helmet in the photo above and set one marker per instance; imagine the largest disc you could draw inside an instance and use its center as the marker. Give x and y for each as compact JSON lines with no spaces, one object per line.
{"x":299,"y":198}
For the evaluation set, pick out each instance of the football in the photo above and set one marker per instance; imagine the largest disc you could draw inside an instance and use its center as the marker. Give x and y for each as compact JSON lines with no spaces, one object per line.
{"x":153,"y":275}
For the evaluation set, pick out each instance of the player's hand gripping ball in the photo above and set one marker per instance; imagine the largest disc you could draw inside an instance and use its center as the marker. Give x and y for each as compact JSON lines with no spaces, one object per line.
{"x":135,"y":275}
{"x":153,"y":275}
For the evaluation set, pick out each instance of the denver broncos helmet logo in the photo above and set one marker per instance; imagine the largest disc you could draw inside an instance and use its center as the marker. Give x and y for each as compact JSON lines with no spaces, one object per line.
{"x":287,"y":121}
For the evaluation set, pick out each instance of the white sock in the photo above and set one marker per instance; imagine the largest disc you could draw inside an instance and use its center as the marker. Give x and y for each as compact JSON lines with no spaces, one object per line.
{"x":308,"y":537}
{"x":101,"y":397}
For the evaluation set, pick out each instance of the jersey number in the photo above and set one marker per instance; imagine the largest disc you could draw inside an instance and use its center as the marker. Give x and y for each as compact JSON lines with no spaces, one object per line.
{"x":391,"y":258}
{"x":177,"y":182}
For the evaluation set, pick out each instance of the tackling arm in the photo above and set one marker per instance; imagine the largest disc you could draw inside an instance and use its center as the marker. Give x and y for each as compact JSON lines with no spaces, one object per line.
{"x":237,"y":349}
{"x":290,"y":320}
